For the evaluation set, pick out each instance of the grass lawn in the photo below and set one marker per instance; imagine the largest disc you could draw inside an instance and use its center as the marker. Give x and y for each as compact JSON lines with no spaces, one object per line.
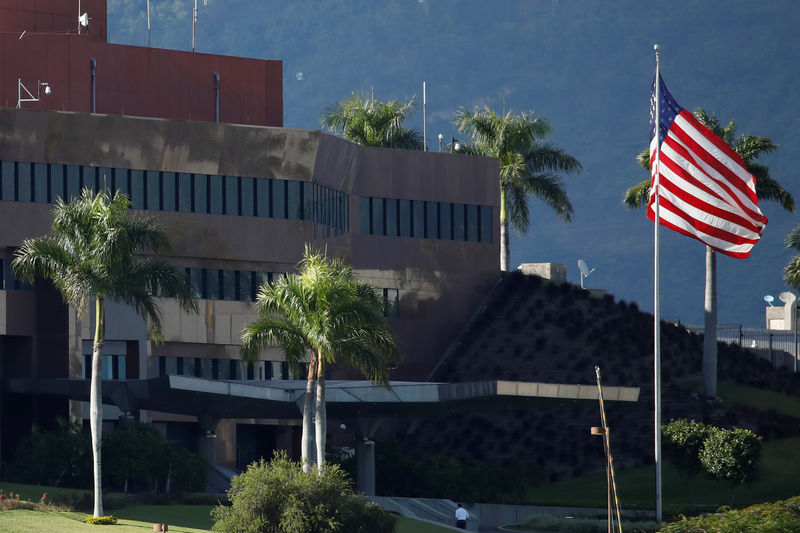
{"x":22,"y":521}
{"x":140,"y":518}
{"x":779,"y":479}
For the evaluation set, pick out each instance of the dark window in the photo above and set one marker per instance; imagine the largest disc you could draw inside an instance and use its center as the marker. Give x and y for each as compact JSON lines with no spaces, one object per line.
{"x":73,"y":182}
{"x":122,"y":181}
{"x":40,"y":183}
{"x":200,"y":193}
{"x":308,"y":200}
{"x":229,"y":285}
{"x":137,"y":189}
{"x":24,"y":184}
{"x":364,"y":217}
{"x":153,"y":185}
{"x":213,"y":284}
{"x":418,"y":228}
{"x":293,"y":204}
{"x":486,"y":223}
{"x":185,"y":192}
{"x":278,"y":198}
{"x":8,"y":184}
{"x":377,"y":217}
{"x":248,"y":197}
{"x":262,"y":198}
{"x":197,"y":280}
{"x":459,"y":230}
{"x":246,"y":289}
{"x":168,"y":192}
{"x":391,"y":217}
{"x":105,"y":179}
{"x":215,"y":195}
{"x":431,"y":220}
{"x":232,"y":195}
{"x":56,"y":182}
{"x":446,"y":221}
{"x":89,"y":175}
{"x":472,"y":223}
{"x":405,"y":217}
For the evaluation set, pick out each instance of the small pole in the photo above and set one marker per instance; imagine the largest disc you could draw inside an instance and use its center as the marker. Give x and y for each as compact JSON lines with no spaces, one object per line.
{"x":424,"y":115}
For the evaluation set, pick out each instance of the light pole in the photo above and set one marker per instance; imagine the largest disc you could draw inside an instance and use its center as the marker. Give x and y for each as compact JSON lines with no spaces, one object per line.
{"x":456,"y":146}
{"x":441,"y":137}
{"x":39,"y":84}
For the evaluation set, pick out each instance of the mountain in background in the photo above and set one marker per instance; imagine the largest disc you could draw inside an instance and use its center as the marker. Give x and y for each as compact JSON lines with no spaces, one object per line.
{"x":586,"y":65}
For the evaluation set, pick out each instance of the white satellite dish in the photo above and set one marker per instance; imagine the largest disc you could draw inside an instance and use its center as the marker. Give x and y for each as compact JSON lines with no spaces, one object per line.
{"x":787,"y":297}
{"x":83,"y":20}
{"x":769,"y":299}
{"x":584,"y":268}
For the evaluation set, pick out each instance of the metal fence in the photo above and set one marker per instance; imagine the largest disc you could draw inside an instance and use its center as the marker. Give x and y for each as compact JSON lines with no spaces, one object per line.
{"x":778,"y":346}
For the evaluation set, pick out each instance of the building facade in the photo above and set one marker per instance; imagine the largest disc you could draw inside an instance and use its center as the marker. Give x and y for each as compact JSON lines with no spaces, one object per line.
{"x":241,"y":197}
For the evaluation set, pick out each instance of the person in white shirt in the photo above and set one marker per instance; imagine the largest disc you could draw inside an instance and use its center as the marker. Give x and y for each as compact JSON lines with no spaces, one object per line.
{"x":461,"y":517}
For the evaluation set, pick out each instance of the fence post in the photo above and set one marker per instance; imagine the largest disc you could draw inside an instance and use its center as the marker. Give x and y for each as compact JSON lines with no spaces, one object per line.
{"x":771,"y":361}
{"x":740,"y":335}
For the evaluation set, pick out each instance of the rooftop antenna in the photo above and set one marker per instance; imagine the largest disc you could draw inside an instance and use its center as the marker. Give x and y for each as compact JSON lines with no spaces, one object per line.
{"x":83,"y":18}
{"x":769,"y":299}
{"x":584,"y":268}
{"x":194,"y":21}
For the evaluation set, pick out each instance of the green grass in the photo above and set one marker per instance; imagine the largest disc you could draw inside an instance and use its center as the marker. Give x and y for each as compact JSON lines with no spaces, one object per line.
{"x":22,"y":521}
{"x":136,"y":519}
{"x":759,"y":398}
{"x":779,"y":479}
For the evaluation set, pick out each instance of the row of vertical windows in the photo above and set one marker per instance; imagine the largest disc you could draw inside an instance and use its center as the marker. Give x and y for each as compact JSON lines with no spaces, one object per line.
{"x":235,"y":285}
{"x":215,"y":284}
{"x":113,"y":366}
{"x":178,"y":191}
{"x":233,"y":369}
{"x":425,"y":220}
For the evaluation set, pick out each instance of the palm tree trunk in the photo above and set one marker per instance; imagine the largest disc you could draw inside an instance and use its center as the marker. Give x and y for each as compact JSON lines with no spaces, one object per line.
{"x":96,"y":406}
{"x":321,"y":418}
{"x":307,"y":439}
{"x":710,"y":335}
{"x":505,"y":251}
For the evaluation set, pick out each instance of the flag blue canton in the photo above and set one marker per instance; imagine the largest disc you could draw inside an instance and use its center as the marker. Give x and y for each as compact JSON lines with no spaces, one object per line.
{"x":669,"y":108}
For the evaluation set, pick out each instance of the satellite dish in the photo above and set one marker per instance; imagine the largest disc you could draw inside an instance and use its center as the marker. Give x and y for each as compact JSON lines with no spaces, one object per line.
{"x":584,"y":268}
{"x":769,"y":299}
{"x":84,"y":20}
{"x":787,"y":297}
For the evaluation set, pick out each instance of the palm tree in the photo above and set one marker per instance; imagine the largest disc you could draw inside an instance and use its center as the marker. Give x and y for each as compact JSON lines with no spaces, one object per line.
{"x":92,"y":253}
{"x":529,"y":165}
{"x":322,"y":313}
{"x":749,"y":148}
{"x":370,"y":122}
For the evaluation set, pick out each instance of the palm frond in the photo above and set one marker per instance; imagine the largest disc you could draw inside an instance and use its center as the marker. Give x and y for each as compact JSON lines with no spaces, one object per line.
{"x":637,"y":196}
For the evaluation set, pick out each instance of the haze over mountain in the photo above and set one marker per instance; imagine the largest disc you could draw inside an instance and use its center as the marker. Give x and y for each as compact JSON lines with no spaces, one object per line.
{"x":585,"y":65}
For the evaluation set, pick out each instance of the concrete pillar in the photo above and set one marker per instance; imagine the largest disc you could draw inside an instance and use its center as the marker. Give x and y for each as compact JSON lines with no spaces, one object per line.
{"x":365,"y":467}
{"x":365,"y":455}
{"x":207,"y":447}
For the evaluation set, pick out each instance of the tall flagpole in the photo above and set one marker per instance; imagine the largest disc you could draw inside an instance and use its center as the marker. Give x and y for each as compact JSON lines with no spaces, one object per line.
{"x":656,"y":281}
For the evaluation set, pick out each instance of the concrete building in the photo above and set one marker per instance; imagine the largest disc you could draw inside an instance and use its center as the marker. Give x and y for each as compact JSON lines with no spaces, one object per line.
{"x":197,"y":141}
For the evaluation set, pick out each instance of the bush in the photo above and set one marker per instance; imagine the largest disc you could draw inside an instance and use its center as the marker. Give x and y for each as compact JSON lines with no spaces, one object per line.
{"x":59,"y":458}
{"x":101,"y":520}
{"x":278,"y":497}
{"x":778,"y":516}
{"x":731,"y":455}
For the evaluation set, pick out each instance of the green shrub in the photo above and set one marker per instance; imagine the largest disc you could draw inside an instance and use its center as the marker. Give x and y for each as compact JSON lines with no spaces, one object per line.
{"x":101,"y":520}
{"x":731,"y":455}
{"x":61,"y":457}
{"x":278,"y":497}
{"x":774,"y":517}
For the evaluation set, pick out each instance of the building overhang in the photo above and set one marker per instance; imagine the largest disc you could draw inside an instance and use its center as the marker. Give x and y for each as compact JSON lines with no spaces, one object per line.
{"x":283,"y":399}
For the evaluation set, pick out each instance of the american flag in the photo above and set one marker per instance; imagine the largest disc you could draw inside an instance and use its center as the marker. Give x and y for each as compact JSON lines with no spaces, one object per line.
{"x":705,"y":190}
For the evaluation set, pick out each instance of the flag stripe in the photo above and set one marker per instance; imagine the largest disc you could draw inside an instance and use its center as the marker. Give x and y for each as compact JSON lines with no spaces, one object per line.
{"x":704,"y":188}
